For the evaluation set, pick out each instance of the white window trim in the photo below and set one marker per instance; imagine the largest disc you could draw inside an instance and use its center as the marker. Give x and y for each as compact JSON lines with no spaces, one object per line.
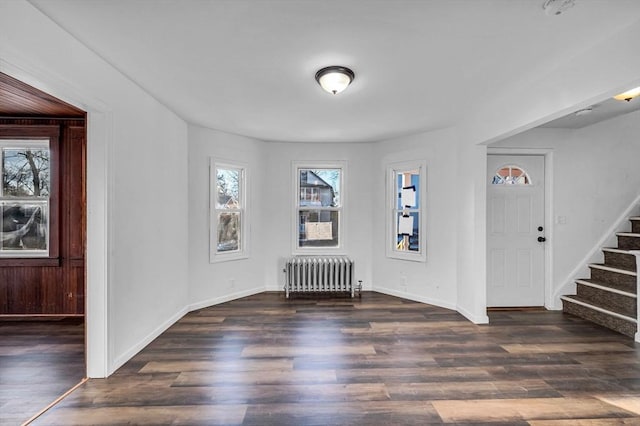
{"x":391,"y":220}
{"x":35,"y":143}
{"x":342,"y":215}
{"x":243,"y":251}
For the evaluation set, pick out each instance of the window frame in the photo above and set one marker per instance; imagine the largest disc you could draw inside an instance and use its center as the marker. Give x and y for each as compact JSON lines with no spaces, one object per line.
{"x":52,"y":135}
{"x":508,"y":180}
{"x":392,"y":170}
{"x":242,"y":252}
{"x":340,"y":248}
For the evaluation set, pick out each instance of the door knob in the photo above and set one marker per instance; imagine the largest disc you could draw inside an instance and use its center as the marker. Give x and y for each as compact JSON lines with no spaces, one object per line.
{"x":540,"y":228}
{"x":541,"y":239}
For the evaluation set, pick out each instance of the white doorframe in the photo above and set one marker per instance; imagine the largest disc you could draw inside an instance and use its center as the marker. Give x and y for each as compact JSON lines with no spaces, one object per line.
{"x":548,"y":212}
{"x":99,"y":342}
{"x":97,"y":264}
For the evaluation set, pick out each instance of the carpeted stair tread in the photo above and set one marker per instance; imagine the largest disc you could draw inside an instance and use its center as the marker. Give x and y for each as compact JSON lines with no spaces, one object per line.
{"x":615,"y":269}
{"x":613,"y":287}
{"x":620,"y":323}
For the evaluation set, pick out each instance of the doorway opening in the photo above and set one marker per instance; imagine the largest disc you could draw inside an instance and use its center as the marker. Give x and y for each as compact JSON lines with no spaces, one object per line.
{"x":42,"y":247}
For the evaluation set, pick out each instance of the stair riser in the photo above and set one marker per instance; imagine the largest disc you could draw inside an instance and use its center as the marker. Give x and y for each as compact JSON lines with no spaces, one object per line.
{"x":620,"y":260}
{"x":629,"y":243}
{"x":621,"y":280}
{"x":621,"y":326}
{"x":635,"y":226}
{"x":624,"y":305}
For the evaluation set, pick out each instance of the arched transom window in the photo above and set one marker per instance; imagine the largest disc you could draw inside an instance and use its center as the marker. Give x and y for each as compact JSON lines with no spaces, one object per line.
{"x":511,"y":175}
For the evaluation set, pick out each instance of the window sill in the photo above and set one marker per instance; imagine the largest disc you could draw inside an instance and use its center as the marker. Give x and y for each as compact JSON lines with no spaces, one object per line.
{"x":29,"y":261}
{"x":219,"y":258}
{"x":412,"y":257}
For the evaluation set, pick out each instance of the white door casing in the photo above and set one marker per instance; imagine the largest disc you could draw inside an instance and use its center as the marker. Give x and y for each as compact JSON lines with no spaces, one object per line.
{"x":515,"y":214}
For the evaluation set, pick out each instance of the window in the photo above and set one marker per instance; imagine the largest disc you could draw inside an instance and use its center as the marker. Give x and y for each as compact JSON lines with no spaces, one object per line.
{"x":25,"y":200}
{"x":318,"y":207}
{"x":228,"y":210}
{"x":511,"y":175}
{"x":406,"y":198}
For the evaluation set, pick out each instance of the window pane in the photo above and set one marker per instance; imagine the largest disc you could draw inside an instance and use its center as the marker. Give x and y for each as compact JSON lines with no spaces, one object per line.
{"x":228,"y":232}
{"x":24,"y":226}
{"x":408,"y":231}
{"x":319,"y":187}
{"x":228,"y":188}
{"x":318,"y":228}
{"x":511,"y":175}
{"x":25,"y":172}
{"x":408,"y":189}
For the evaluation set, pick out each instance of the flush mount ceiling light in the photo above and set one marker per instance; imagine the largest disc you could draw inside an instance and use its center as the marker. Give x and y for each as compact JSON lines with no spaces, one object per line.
{"x":628,"y":95}
{"x":334,"y":79}
{"x":557,"y":7}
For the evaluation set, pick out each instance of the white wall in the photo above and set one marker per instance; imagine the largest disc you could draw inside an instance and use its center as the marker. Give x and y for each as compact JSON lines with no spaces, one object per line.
{"x":433,"y":281}
{"x":596,"y":177}
{"x":211,"y":283}
{"x":271,"y":198}
{"x":471,"y":232}
{"x":140,"y":151}
{"x":358,"y":193}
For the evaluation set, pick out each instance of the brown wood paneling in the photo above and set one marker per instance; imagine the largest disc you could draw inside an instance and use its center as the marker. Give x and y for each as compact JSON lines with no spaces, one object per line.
{"x":20,"y":99}
{"x":74,"y":184}
{"x":53,"y":286}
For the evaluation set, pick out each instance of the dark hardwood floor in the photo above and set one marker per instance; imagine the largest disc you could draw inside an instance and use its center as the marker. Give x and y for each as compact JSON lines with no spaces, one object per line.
{"x":265,"y":360}
{"x":39,"y":361}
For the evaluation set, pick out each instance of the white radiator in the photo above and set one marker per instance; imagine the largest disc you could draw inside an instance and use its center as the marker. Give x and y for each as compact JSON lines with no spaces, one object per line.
{"x":319,"y":274}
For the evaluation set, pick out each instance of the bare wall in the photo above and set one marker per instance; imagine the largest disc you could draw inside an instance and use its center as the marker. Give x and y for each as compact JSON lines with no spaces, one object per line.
{"x":137,"y":172}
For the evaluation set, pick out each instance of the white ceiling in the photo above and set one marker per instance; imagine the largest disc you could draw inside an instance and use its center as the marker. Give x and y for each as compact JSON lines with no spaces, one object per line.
{"x":248,"y":66}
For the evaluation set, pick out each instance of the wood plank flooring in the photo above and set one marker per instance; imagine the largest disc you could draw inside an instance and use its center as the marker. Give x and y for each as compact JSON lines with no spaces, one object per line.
{"x":378,"y":360}
{"x":39,"y":361}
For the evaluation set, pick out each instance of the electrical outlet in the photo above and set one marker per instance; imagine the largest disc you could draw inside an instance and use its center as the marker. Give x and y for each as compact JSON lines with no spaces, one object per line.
{"x":403,"y":282}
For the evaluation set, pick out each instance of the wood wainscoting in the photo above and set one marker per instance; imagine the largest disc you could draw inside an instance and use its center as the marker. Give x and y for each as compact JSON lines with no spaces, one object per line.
{"x":55,"y":285}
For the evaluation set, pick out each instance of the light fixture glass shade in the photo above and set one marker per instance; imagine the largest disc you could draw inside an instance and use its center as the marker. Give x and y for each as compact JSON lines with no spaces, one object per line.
{"x":628,"y":95}
{"x":334,"y":79}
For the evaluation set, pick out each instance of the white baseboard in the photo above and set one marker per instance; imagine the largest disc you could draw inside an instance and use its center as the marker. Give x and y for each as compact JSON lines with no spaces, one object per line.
{"x":122,"y":359}
{"x":225,"y":298}
{"x":476,"y":319}
{"x":274,"y":288}
{"x":409,"y":296}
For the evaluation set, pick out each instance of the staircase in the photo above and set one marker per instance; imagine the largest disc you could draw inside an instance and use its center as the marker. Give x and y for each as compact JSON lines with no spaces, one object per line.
{"x":609,"y":297}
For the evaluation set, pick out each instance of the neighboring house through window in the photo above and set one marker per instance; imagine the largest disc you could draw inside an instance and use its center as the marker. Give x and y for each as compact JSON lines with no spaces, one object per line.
{"x":318,"y":207}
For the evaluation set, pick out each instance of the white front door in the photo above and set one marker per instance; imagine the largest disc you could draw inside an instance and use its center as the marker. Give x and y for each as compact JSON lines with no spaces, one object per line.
{"x":515,"y":230}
